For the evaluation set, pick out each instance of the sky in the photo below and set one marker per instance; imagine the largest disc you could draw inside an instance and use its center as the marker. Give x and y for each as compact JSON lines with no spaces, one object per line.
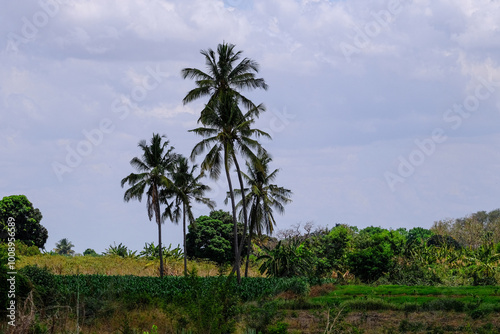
{"x":382,"y":113}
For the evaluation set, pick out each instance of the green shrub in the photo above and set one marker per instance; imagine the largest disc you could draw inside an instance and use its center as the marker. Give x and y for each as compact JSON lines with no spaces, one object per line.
{"x":210,"y":305}
{"x":278,"y":328}
{"x":411,"y":307}
{"x":299,"y":286}
{"x":444,"y":304}
{"x":90,"y":252}
{"x":43,"y":282}
{"x":260,"y":315}
{"x":412,"y":274}
{"x":483,"y":310}
{"x":408,"y":326}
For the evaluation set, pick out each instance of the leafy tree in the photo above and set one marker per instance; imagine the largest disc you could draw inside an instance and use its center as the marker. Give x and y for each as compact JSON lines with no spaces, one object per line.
{"x":27,"y":220}
{"x":90,"y":252}
{"x":154,"y":167}
{"x":262,"y":198}
{"x":186,"y":188}
{"x":473,"y":230}
{"x":418,"y":235}
{"x":210,"y":237}
{"x":374,"y":253}
{"x":331,"y":249}
{"x":443,"y":241}
{"x":64,"y":247}
{"x":226,"y":129}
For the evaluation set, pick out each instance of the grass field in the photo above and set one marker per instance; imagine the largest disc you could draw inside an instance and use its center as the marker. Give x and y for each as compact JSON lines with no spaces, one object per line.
{"x":115,"y":265}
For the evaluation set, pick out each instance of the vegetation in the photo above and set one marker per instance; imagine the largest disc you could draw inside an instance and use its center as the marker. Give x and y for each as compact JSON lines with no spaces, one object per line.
{"x":27,"y":219}
{"x":226,"y":128}
{"x":210,"y":238}
{"x":186,"y":188}
{"x":64,"y":247}
{"x":154,"y":167}
{"x":217,"y":304}
{"x":262,"y":199}
{"x":310,"y":280}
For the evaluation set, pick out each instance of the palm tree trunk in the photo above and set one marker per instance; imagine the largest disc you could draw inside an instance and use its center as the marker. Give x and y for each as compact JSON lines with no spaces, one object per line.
{"x":156,"y":203}
{"x":235,"y":223}
{"x":184,"y":236}
{"x":243,"y":200}
{"x":249,"y":246}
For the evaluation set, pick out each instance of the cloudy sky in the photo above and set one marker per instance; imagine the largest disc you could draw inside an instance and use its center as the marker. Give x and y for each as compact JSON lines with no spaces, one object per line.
{"x":382,"y":112}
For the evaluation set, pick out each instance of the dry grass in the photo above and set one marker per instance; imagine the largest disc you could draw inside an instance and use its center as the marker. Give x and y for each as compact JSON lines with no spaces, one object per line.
{"x":115,"y":265}
{"x":321,"y":290}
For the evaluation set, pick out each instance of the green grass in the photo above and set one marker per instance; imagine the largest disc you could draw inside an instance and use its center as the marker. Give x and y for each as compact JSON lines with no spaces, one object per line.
{"x":411,"y":294}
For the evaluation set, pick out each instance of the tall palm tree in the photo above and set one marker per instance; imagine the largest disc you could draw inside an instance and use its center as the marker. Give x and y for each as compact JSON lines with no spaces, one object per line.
{"x":224,"y":76}
{"x":226,"y":132}
{"x":186,"y":188}
{"x":262,"y":198}
{"x":63,"y":247}
{"x":226,"y":128}
{"x":154,"y":167}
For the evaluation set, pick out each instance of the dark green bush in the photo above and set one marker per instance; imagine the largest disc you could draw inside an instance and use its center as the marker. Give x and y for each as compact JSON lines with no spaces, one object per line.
{"x":260,"y":315}
{"x":408,"y":326}
{"x":43,"y":282}
{"x":278,"y":328}
{"x":412,"y":274}
{"x":299,"y":286}
{"x":444,"y":304}
{"x":210,"y":305}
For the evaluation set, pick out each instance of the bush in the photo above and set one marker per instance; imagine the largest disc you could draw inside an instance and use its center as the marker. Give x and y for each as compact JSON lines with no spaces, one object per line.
{"x":44,"y":284}
{"x":209,"y":304}
{"x":299,"y":286}
{"x":90,"y":252}
{"x":278,"y":328}
{"x":412,"y":274}
{"x":446,"y":304}
{"x":260,"y":315}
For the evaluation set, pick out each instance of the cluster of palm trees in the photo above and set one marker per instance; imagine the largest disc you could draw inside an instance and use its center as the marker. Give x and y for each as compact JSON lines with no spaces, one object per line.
{"x":226,"y":127}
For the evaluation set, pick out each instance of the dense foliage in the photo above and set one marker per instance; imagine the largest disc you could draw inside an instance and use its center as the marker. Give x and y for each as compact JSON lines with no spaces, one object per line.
{"x":27,"y":220}
{"x":210,"y":238}
{"x":376,"y":255}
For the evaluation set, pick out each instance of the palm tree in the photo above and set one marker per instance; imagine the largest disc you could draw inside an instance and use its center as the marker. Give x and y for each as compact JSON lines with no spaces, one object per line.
{"x":224,"y":76}
{"x":154,"y":166}
{"x":186,"y":187}
{"x":63,"y":247}
{"x":226,"y":129}
{"x":262,"y":198}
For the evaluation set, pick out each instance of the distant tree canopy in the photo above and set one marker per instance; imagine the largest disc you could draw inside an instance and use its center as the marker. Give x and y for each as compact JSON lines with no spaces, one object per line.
{"x":90,"y":252}
{"x":210,"y":237}
{"x":27,"y":220}
{"x":472,"y":230}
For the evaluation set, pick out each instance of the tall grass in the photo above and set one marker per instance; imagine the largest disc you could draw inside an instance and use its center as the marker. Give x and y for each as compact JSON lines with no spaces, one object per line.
{"x":116,"y":265}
